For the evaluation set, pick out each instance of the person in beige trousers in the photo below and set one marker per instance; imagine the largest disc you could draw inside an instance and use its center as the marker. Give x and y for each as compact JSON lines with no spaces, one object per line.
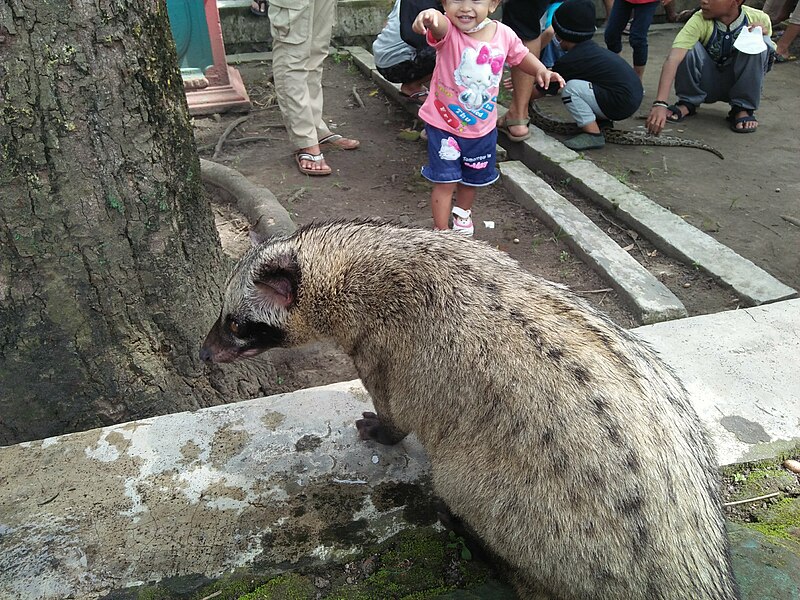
{"x":301,"y":35}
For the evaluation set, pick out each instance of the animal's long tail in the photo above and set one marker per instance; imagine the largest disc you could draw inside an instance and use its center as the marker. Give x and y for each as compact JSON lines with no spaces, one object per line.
{"x":617,"y":136}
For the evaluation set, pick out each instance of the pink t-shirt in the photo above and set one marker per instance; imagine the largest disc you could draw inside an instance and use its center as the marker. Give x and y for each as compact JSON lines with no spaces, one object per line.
{"x":464,"y":86}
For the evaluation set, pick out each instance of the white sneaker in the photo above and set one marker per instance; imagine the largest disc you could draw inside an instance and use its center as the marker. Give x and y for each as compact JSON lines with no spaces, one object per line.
{"x":462,"y":221}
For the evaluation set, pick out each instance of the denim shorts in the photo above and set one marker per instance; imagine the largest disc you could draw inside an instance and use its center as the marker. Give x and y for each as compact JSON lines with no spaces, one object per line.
{"x":456,"y":159}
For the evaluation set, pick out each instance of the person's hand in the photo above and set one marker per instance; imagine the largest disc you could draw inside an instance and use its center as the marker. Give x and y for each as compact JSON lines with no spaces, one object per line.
{"x":656,"y":119}
{"x":666,"y":2}
{"x":426,"y":19}
{"x":545,"y":77}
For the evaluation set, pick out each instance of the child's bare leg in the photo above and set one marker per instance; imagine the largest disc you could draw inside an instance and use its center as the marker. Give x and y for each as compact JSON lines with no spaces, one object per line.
{"x":465,"y":196}
{"x":523,"y":88}
{"x":639,"y":71}
{"x":442,"y":204}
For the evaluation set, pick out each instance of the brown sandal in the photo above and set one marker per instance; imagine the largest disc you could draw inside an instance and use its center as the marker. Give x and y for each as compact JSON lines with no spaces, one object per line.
{"x":259,"y":8}
{"x":343,"y":143}
{"x":504,"y":123}
{"x":315,"y":158}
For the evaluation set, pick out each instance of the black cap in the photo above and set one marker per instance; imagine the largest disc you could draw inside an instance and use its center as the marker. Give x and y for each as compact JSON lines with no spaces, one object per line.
{"x":574,"y":21}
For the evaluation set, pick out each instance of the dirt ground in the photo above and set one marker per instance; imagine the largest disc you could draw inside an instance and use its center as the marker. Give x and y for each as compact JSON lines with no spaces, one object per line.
{"x":381,"y":179}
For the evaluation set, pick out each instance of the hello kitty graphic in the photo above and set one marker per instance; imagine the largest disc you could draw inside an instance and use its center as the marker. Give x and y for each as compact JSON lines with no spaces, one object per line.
{"x":449,"y":150}
{"x":478,"y":72}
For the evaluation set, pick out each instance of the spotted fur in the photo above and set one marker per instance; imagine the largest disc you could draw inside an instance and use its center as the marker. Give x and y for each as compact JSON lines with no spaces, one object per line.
{"x":558,"y":437}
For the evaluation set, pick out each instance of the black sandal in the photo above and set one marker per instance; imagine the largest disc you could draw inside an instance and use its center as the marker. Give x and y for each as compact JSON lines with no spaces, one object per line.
{"x":259,"y":7}
{"x":750,"y":117}
{"x":676,"y":115}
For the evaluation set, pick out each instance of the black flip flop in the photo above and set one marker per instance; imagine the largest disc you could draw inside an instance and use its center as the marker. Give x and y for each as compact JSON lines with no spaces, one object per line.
{"x":674,"y":109}
{"x":750,"y":117}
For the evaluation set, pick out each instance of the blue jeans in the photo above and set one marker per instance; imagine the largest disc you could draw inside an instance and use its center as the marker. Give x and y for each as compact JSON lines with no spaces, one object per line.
{"x":642,"y":18}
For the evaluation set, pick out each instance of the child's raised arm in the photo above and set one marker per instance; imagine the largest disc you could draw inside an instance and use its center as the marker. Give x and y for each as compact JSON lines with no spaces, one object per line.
{"x":543,"y":76}
{"x":431,"y":20}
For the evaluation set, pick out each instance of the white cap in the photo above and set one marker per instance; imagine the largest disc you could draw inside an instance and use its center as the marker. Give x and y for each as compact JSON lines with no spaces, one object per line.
{"x":750,"y":42}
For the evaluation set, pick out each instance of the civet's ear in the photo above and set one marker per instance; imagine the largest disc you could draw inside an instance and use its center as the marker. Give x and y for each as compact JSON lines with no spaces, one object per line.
{"x":279,"y":279}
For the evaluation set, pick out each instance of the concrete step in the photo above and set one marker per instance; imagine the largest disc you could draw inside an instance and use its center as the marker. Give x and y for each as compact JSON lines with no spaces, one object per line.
{"x":650,"y":300}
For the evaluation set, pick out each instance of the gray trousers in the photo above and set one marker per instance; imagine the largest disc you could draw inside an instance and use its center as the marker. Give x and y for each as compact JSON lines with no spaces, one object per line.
{"x":700,"y":80}
{"x":579,"y":99}
{"x":301,"y":35}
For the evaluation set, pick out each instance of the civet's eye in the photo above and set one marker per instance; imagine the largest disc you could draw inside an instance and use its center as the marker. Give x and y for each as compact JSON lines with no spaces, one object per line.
{"x":234,"y":327}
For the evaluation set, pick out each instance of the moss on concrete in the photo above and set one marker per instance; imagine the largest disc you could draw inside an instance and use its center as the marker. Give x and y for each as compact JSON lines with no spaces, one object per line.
{"x":285,"y":587}
{"x":412,"y":565}
{"x":777,"y":517}
{"x":780,"y":519}
{"x":415,"y":564}
{"x":231,"y":587}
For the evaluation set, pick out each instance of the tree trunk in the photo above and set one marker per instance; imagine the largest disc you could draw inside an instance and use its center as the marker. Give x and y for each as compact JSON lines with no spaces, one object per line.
{"x":110,"y":265}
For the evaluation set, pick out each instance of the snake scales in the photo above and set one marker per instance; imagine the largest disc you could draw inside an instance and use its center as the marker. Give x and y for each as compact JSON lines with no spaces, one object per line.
{"x":616,"y":136}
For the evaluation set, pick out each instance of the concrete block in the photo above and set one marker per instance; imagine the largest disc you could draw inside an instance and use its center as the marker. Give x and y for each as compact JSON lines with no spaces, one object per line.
{"x":650,"y":299}
{"x":272,"y":482}
{"x":356,"y":21}
{"x":741,"y":370}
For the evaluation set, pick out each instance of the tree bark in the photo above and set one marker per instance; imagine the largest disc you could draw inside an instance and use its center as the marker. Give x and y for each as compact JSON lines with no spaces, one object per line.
{"x":110,"y":265}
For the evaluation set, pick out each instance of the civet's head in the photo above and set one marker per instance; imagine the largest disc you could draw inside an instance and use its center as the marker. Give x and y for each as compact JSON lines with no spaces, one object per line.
{"x":260,"y":293}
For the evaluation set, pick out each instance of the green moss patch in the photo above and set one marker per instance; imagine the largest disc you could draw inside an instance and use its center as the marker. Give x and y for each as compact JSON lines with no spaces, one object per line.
{"x":777,"y":516}
{"x":286,"y":587}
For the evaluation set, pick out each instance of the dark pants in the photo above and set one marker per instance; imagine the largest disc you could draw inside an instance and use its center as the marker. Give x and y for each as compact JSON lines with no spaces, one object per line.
{"x":411,"y":70}
{"x":700,"y":80}
{"x":642,"y":18}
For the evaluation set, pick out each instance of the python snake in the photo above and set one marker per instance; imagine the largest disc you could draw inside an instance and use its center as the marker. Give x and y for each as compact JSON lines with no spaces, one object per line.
{"x":616,"y":136}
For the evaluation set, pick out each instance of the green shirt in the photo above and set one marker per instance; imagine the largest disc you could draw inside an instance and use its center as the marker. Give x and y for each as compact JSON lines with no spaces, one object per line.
{"x":698,"y":29}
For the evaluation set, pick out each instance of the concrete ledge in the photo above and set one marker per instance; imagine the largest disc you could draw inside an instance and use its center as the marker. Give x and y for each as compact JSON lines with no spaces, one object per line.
{"x":266,"y":215}
{"x":664,"y":229}
{"x":356,"y":20}
{"x":741,"y":370}
{"x":263,"y":483}
{"x":650,"y":299}
{"x":237,"y":59}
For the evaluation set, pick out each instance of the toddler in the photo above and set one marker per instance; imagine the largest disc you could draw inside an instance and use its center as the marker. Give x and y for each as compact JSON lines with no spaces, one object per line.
{"x":460,"y":111}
